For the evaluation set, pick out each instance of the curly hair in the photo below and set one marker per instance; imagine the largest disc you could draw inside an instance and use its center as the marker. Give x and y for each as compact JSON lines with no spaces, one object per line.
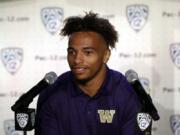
{"x":91,"y":22}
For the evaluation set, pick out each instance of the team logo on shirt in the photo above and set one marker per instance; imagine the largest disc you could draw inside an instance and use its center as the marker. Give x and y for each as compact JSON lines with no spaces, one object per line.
{"x":52,"y":18}
{"x":175,"y":53}
{"x":175,"y":124}
{"x":137,"y":16}
{"x":22,"y":119}
{"x":106,"y":116}
{"x":144,"y":121}
{"x":9,"y":128}
{"x":12,"y":59}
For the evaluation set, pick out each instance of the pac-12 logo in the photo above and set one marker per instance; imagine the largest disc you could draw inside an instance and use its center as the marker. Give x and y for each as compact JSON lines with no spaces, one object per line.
{"x":137,"y":16}
{"x":22,"y":119}
{"x":175,"y":54}
{"x":9,"y":128}
{"x":52,"y":18}
{"x":144,"y":121}
{"x":12,"y":59}
{"x":175,"y":124}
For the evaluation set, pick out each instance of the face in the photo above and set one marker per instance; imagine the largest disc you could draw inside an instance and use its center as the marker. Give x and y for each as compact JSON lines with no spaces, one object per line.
{"x":87,"y":55}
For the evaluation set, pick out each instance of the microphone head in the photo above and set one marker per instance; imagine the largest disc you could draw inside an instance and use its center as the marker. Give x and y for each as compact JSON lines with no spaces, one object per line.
{"x":50,"y":77}
{"x":131,"y":75}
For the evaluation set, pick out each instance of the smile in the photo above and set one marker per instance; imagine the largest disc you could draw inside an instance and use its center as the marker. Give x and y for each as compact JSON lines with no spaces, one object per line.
{"x":79,"y":70}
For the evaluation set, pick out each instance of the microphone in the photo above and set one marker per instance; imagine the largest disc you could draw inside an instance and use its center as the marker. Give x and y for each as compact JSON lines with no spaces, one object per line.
{"x":145,"y":98}
{"x":27,"y":98}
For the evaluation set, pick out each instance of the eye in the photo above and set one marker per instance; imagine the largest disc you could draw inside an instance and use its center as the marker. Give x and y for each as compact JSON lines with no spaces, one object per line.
{"x":71,"y":52}
{"x":88,"y":52}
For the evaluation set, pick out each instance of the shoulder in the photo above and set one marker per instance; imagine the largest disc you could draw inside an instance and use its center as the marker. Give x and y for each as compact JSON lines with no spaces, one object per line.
{"x":63,"y":78}
{"x":62,"y":81}
{"x":60,"y":85}
{"x":118,"y":78}
{"x":122,"y":86}
{"x":116,"y":74}
{"x":124,"y":93}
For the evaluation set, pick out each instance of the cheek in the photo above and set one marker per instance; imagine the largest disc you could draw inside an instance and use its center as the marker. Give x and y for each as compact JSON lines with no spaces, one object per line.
{"x":69,"y":60}
{"x":95,"y":61}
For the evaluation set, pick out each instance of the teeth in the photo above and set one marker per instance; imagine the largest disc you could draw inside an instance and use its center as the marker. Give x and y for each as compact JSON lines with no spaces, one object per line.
{"x":80,"y":69}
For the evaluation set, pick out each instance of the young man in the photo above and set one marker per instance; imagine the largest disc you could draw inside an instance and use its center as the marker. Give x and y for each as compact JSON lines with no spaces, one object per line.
{"x":91,"y":99}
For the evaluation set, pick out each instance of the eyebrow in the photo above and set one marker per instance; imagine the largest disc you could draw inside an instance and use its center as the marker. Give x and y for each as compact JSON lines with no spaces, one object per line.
{"x":88,"y":48}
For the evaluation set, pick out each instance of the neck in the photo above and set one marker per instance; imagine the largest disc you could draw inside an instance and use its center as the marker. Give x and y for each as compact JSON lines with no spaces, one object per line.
{"x":92,"y":86}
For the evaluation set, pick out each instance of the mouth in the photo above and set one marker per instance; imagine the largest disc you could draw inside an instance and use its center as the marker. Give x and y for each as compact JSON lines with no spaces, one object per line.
{"x":79,"y":70}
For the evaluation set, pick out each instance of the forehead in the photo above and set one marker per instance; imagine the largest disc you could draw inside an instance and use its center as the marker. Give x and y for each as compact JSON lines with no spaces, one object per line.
{"x":86,"y":38}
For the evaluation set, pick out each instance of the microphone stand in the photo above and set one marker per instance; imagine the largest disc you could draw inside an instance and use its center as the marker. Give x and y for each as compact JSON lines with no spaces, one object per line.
{"x":148,"y":110}
{"x":24,"y":116}
{"x":146,"y":117}
{"x":24,"y":119}
{"x":144,"y":122}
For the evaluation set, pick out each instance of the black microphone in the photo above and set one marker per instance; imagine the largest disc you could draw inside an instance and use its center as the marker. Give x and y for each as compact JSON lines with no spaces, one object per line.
{"x":27,"y":98}
{"x":145,"y":98}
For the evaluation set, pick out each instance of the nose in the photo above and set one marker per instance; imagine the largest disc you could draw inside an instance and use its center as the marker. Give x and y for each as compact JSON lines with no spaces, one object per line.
{"x":78,"y":58}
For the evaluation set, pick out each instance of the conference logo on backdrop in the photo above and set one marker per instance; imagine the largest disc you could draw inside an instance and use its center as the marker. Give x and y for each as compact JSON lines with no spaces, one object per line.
{"x":12,"y":58}
{"x":137,"y":16}
{"x":52,"y":18}
{"x":9,"y":128}
{"x":175,"y":124}
{"x":175,"y":54}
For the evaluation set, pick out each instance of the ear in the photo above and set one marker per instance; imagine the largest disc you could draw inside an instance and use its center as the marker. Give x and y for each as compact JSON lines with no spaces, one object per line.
{"x":107,"y":54}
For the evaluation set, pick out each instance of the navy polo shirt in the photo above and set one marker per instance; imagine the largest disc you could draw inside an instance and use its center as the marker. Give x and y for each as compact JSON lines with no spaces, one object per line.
{"x":64,"y":109}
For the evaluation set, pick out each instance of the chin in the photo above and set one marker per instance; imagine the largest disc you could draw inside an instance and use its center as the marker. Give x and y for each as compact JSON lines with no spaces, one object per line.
{"x":81,"y":80}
